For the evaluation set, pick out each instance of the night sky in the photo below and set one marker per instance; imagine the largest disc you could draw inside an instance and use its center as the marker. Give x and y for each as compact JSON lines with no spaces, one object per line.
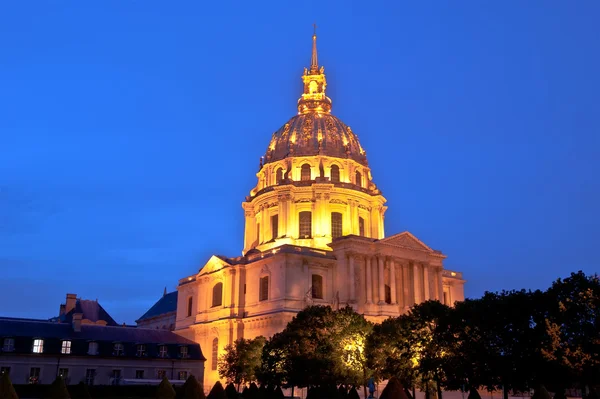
{"x":130,"y":132}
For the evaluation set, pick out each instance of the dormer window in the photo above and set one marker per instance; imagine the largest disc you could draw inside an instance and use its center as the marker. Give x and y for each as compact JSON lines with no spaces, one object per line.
{"x":141,"y":350}
{"x":358,"y":179}
{"x":162,"y":351}
{"x":183,"y":352}
{"x":305,"y":172}
{"x":38,"y":346}
{"x":93,"y":348}
{"x":8,"y":345}
{"x":118,"y":349}
{"x":278,"y":176}
{"x":65,"y":348}
{"x":335,"y":174}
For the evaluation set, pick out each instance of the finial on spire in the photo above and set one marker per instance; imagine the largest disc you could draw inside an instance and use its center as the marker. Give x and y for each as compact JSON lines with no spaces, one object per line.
{"x":165,"y":291}
{"x":314,"y":63}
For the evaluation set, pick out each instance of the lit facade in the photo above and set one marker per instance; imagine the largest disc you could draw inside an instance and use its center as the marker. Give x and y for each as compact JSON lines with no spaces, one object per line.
{"x":314,"y":234}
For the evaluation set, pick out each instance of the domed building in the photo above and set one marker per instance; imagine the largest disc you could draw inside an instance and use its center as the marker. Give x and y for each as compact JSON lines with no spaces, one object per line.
{"x":314,"y":234}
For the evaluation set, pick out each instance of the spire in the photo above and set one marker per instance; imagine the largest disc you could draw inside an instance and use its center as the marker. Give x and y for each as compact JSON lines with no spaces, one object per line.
{"x":165,"y":292}
{"x":314,"y":62}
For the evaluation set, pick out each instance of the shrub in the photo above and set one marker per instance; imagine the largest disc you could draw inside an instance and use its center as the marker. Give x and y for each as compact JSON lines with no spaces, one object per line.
{"x":352,"y":394}
{"x":393,"y":390}
{"x":58,"y":389}
{"x":231,"y":392}
{"x":7,"y":391}
{"x":217,"y":392}
{"x":165,"y":390}
{"x":192,"y":389}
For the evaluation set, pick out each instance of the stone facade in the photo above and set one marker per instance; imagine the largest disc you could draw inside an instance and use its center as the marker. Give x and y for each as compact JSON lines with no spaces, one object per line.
{"x":314,"y":235}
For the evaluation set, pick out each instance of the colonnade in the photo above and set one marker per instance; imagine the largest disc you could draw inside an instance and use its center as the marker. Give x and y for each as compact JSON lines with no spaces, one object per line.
{"x":408,"y":282}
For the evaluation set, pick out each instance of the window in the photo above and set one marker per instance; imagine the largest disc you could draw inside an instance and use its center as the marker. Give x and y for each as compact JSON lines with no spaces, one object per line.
{"x":141,"y":350}
{"x":189,"y":306}
{"x":263,"y":294}
{"x":116,"y":377}
{"x":183,"y":352}
{"x":161,"y":373}
{"x":4,"y":370}
{"x":217,"y":295}
{"x":317,"y":286}
{"x":215,"y":353}
{"x":34,"y":375}
{"x":305,"y":172}
{"x":305,"y":224}
{"x":139,"y":374}
{"x":90,"y":376}
{"x":335,"y":174}
{"x":162,"y":351}
{"x":183,"y":375}
{"x":118,"y":349}
{"x":278,"y":176}
{"x":66,"y":347}
{"x":258,"y":232}
{"x":64,"y":373}
{"x":388,"y":294}
{"x":93,"y":348}
{"x":274,"y":227}
{"x":336,"y":224}
{"x":38,"y":346}
{"x":358,"y":179}
{"x":361,"y":227}
{"x":445,"y":298}
{"x":8,"y":345}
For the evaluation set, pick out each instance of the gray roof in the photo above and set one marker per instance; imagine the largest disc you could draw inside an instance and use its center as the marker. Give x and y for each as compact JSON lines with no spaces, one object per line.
{"x":91,"y":310}
{"x":166,"y":304}
{"x":24,"y":331}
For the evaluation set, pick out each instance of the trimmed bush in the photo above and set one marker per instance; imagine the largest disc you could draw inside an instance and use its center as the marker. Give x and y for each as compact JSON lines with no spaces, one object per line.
{"x":343,"y":392}
{"x":253,"y":391}
{"x":81,"y":391}
{"x":246,"y":393}
{"x":473,"y":394}
{"x":393,"y":390}
{"x":58,"y":389}
{"x":7,"y":391}
{"x":165,"y":390}
{"x":352,"y":394}
{"x":541,"y":393}
{"x":231,"y":392}
{"x":192,"y":389}
{"x":278,"y":393}
{"x":217,"y":392}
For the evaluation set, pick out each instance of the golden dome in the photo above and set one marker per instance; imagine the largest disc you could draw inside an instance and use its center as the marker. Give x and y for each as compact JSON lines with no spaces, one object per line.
{"x":313,"y":133}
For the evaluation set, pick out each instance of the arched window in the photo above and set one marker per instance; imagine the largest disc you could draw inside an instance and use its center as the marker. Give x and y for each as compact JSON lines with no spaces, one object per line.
{"x":388,"y":294}
{"x":361,"y":227}
{"x":274,"y":227}
{"x":217,"y":299}
{"x":317,"y":286}
{"x":335,"y":174}
{"x":263,"y":288}
{"x":215,"y":354}
{"x":336,"y":224}
{"x":305,"y":172}
{"x":278,"y":176}
{"x":189,"y":306}
{"x":305,"y":224}
{"x":358,"y":179}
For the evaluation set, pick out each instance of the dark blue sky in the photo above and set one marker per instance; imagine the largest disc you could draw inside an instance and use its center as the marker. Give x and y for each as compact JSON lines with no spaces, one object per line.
{"x":130,"y":132}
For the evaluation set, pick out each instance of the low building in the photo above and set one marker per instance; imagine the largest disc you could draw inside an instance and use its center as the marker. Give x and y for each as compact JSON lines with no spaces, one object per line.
{"x":91,"y":347}
{"x":162,"y":314}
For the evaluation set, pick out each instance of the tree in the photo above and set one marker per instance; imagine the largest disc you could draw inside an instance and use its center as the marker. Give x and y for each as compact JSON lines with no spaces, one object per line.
{"x":165,"y":390}
{"x":242,"y":361}
{"x":58,"y":389}
{"x":318,"y":348}
{"x":192,"y":389}
{"x":7,"y":391}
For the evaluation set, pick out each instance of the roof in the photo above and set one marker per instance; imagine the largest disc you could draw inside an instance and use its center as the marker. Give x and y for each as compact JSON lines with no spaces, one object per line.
{"x":91,"y":311}
{"x":313,"y":134}
{"x":166,"y":304}
{"x":24,"y":331}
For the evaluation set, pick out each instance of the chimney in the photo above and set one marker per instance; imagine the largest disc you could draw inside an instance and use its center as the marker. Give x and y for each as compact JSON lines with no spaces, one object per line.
{"x":61,"y":310}
{"x":77,"y":321}
{"x":70,"y":303}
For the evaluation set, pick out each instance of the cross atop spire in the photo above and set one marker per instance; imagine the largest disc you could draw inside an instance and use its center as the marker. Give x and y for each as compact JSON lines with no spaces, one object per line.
{"x":314,"y":63}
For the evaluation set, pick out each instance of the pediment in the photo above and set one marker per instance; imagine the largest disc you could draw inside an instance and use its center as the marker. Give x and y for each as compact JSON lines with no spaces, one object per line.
{"x":406,"y":240}
{"x":214,"y":264}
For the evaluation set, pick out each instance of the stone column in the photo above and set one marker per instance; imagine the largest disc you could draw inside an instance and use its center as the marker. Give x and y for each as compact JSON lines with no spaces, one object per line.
{"x":417,"y":283}
{"x":393,"y":281}
{"x":406,"y":283}
{"x":426,"y":293}
{"x":440,"y":286}
{"x":381,"y":279}
{"x":369,"y":280}
{"x":352,"y":297}
{"x":250,"y":227}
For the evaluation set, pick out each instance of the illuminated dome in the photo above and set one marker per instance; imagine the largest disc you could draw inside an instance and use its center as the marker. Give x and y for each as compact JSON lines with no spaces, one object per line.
{"x":313,"y":134}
